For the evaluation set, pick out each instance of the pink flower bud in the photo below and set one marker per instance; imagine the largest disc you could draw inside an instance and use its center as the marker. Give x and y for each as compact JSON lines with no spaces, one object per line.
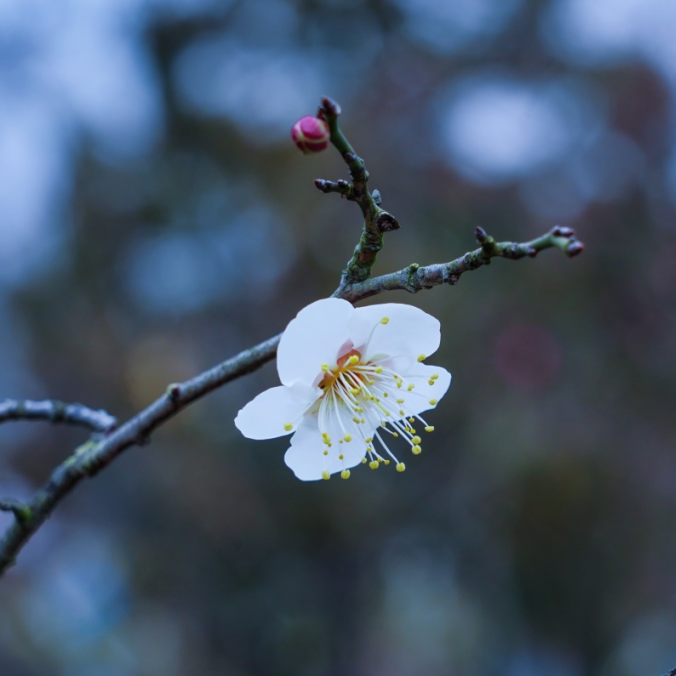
{"x":311,"y":134}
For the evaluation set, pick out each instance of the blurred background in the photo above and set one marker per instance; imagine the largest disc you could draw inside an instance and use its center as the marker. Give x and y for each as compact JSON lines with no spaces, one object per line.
{"x":156,"y":219}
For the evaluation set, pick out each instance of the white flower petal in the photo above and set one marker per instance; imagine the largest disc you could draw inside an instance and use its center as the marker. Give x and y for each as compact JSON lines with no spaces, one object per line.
{"x":420,"y":397}
{"x":313,"y":338}
{"x":407,"y":331}
{"x":306,"y":455}
{"x":273,"y":411}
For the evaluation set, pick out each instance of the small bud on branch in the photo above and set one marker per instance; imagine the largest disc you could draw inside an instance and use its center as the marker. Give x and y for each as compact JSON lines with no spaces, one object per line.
{"x":311,"y":134}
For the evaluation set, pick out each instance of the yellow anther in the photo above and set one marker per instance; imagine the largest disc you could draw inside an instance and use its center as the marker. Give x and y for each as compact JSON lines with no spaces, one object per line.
{"x":354,"y":359}
{"x":433,"y":402}
{"x":402,"y":412}
{"x":355,"y":420}
{"x":363,"y":461}
{"x":340,"y":441}
{"x":355,"y":390}
{"x":417,"y":450}
{"x":429,"y":428}
{"x":325,"y":367}
{"x":326,"y":452}
{"x":400,"y":401}
{"x":410,"y":388}
{"x":326,"y":475}
{"x":412,"y":420}
{"x":372,"y":382}
{"x":378,"y":369}
{"x":362,"y":420}
{"x":415,"y":440}
{"x":387,"y":462}
{"x":369,"y":440}
{"x":434,"y":377}
{"x":348,"y":437}
{"x":421,"y":357}
{"x":345,"y":474}
{"x":381,"y":460}
{"x":384,"y":320}
{"x":400,"y":467}
{"x":288,"y":427}
{"x":395,"y":434}
{"x":385,"y":394}
{"x":341,"y":457}
{"x":374,"y":464}
{"x":326,"y":438}
{"x":430,"y":382}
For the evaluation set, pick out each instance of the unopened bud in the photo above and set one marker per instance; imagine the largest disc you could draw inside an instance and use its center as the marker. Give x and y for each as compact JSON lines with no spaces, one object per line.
{"x":311,"y":134}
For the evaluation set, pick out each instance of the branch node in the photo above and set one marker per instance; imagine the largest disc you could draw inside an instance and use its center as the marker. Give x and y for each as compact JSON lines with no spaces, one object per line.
{"x":532,"y":252}
{"x":377,"y":197}
{"x":481,"y":234}
{"x":174,"y":392}
{"x":21,"y":512}
{"x":386,"y":222}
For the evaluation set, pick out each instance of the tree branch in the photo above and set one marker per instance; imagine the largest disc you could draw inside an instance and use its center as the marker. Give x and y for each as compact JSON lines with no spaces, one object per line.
{"x":355,"y":285}
{"x":376,"y":220}
{"x":414,"y":278}
{"x":56,"y":412}
{"x":94,"y":455}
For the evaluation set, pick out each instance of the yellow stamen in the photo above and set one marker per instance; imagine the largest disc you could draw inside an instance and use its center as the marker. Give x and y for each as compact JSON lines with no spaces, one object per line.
{"x":415,"y":440}
{"x":384,"y":320}
{"x":288,"y":427}
{"x":345,"y":474}
{"x":417,"y":450}
{"x":429,"y":428}
{"x":374,"y":464}
{"x":400,"y":467}
{"x":325,"y":475}
{"x":433,"y":402}
{"x":348,"y":437}
{"x":421,"y":357}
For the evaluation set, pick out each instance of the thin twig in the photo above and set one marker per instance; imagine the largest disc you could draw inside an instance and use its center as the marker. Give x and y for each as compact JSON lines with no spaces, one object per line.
{"x":376,"y":220}
{"x":56,"y":412}
{"x":414,"y":278}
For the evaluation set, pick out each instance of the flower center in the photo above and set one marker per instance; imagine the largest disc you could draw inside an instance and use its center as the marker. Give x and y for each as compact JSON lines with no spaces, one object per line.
{"x":361,"y":400}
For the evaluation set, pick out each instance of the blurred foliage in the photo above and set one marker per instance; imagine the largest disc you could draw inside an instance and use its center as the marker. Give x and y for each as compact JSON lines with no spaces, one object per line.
{"x":158,"y":219}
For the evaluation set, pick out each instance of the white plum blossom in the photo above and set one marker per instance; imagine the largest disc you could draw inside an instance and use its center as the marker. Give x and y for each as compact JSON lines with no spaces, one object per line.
{"x":350,"y":376}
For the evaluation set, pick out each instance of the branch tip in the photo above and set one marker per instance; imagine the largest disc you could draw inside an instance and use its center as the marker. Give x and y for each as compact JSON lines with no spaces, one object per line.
{"x":574,"y":248}
{"x":329,"y":107}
